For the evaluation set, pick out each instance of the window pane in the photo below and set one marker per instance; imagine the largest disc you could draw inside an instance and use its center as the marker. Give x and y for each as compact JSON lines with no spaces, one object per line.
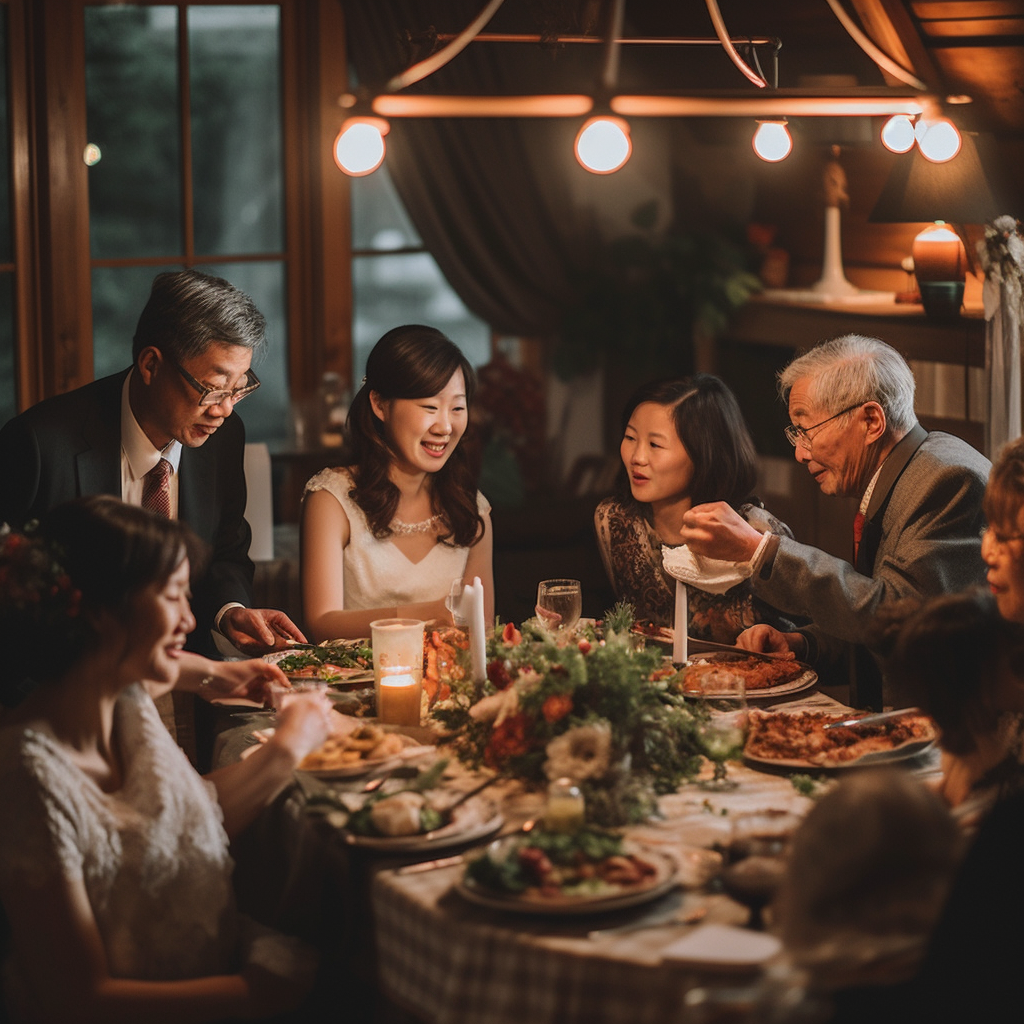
{"x":118,"y":295}
{"x":266,"y":411}
{"x":379,"y":220}
{"x":6,"y":248}
{"x":8,"y":396}
{"x":410,"y":289}
{"x":235,"y":64}
{"x":132,"y":110}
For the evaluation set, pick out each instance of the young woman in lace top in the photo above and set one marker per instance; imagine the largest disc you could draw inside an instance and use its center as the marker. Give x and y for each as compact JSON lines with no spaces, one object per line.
{"x":683,"y":442}
{"x":387,"y":532}
{"x":115,"y":875}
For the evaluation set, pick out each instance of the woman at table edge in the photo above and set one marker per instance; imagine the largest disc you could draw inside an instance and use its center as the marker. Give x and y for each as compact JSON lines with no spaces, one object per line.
{"x":684,"y":442}
{"x":386,"y":533}
{"x":102,"y":811}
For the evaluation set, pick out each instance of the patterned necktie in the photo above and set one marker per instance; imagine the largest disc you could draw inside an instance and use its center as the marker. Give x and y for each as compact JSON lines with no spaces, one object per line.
{"x":858,"y":532}
{"x":156,"y":489}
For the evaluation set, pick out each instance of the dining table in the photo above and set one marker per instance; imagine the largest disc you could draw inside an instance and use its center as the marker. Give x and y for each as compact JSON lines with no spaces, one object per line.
{"x":399,"y":932}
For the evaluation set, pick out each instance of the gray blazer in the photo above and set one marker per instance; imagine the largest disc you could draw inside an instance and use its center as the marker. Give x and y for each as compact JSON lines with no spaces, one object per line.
{"x":926,"y":520}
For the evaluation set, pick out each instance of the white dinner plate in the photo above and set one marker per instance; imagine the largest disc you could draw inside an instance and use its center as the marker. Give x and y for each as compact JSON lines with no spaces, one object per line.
{"x":901,"y":753}
{"x":413,"y":753}
{"x":660,"y":883}
{"x":476,"y":819}
{"x":347,"y":676}
{"x":805,"y":681}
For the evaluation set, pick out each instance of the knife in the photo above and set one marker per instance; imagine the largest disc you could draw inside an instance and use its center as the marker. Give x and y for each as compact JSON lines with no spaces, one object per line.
{"x":710,"y":647}
{"x":430,"y":865}
{"x":881,"y":716}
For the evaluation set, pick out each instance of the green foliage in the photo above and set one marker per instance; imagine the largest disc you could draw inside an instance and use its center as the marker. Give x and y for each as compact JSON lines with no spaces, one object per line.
{"x":647,"y":293}
{"x":604,"y":696}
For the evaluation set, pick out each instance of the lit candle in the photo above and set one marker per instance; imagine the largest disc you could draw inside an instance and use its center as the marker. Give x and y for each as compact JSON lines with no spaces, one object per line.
{"x":473,"y":600}
{"x":679,"y":627}
{"x":400,"y":699}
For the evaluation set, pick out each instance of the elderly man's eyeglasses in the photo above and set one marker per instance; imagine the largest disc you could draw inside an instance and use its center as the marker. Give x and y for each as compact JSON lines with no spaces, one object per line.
{"x":802,"y":435}
{"x":213,"y":396}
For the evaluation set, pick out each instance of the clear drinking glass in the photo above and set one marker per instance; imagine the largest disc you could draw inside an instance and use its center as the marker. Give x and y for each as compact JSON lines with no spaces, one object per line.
{"x":453,"y":602}
{"x":724,"y":733}
{"x":559,"y":604}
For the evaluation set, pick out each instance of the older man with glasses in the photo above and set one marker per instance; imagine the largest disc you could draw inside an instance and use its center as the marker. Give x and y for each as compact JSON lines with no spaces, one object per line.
{"x":917,"y":531}
{"x":161,"y":434}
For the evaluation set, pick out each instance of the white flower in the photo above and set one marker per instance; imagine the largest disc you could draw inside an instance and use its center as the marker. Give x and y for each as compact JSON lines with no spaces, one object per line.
{"x":497,"y":707}
{"x":580,"y":753}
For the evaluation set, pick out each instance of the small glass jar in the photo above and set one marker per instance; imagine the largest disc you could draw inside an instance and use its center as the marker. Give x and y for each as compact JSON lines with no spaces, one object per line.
{"x":566,"y":809}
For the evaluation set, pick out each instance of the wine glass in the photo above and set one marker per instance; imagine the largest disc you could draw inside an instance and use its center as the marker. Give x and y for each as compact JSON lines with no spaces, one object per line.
{"x":723,"y":734}
{"x":559,"y":605}
{"x":453,"y":602}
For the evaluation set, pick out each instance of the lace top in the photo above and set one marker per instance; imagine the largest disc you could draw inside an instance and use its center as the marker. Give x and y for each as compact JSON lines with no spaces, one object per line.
{"x":153,"y":856}
{"x":631,"y":550}
{"x":377,"y":573}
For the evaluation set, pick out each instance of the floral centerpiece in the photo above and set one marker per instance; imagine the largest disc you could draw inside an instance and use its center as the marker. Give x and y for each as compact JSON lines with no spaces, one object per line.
{"x":596,"y":710}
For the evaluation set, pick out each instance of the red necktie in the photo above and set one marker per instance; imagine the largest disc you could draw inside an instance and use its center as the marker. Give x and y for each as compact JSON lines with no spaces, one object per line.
{"x":156,"y":489}
{"x":858,"y":532}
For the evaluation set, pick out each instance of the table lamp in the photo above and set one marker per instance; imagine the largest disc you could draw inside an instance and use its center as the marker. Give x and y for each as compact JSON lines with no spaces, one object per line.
{"x":949,"y":196}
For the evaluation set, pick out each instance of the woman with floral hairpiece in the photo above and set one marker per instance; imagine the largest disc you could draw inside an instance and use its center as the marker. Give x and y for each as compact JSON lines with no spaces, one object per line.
{"x":386,"y":533}
{"x":115,"y":875}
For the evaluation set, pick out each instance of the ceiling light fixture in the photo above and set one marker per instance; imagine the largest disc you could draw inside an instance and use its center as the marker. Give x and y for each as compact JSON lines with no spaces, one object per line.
{"x":608,"y":109}
{"x":359,"y":148}
{"x":898,"y":134}
{"x":603,"y":144}
{"x":772,"y":141}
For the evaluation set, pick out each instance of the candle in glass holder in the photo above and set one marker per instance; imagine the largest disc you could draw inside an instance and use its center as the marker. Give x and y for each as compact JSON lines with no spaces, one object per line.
{"x":400,"y":697}
{"x":396,"y":643}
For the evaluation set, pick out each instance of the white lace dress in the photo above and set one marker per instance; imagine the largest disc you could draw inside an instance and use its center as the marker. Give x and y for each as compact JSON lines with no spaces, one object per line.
{"x":153,"y":856}
{"x":377,"y":574}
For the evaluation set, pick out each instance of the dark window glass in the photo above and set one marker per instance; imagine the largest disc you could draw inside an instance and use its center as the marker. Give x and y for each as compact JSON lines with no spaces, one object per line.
{"x":118,"y":295}
{"x":234,"y":66}
{"x":135,"y":187}
{"x":266,"y":411}
{"x":379,"y":220}
{"x":409,"y":288}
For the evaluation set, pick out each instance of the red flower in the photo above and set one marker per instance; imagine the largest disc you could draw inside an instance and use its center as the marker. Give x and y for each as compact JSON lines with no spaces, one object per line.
{"x":510,"y":635}
{"x":557,"y":706}
{"x":509,"y":739}
{"x":499,"y":675}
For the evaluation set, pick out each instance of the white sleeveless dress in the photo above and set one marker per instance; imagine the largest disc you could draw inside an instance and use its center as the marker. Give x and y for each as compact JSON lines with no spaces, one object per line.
{"x":378,"y":574}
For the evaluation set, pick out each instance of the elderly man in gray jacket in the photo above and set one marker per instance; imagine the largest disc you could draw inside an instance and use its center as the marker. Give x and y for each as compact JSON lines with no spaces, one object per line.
{"x":918,"y":530}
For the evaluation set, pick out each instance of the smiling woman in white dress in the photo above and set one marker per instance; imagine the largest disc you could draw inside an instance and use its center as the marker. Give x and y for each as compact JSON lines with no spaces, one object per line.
{"x":386,"y":533}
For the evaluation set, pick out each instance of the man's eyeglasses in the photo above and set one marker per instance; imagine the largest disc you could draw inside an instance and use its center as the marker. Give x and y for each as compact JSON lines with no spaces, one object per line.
{"x":802,"y":435}
{"x":213,"y":396}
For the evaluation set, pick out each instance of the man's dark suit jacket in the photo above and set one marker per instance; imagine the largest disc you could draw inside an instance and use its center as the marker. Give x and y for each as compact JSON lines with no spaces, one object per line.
{"x":70,"y":445}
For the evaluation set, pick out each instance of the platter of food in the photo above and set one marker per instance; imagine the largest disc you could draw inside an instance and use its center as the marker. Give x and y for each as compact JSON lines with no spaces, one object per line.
{"x":801,"y":740}
{"x":763,"y":678}
{"x":470,"y":822}
{"x":552,"y":873}
{"x":357,"y":747}
{"x":338,"y":662}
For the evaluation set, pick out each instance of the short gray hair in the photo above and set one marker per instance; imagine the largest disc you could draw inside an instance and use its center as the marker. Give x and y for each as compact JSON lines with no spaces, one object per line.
{"x":852,"y":369}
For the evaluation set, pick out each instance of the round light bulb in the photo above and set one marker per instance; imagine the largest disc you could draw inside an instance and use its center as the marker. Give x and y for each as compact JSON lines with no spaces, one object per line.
{"x":772,"y":141}
{"x":939,"y":142}
{"x":603,"y":144}
{"x":898,"y":134}
{"x":359,"y":148}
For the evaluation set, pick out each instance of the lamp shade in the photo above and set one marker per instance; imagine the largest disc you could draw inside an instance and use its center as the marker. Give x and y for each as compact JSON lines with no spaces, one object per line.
{"x":918,"y":190}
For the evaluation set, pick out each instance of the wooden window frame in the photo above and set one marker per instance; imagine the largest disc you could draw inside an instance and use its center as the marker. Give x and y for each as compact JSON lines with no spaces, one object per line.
{"x":50,"y":203}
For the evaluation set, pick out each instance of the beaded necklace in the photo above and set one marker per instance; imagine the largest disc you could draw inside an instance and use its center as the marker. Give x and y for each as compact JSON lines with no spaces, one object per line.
{"x":399,"y":526}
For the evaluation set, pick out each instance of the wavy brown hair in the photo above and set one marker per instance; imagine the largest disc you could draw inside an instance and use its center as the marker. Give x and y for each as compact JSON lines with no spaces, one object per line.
{"x":711,"y":428}
{"x":410,"y":362}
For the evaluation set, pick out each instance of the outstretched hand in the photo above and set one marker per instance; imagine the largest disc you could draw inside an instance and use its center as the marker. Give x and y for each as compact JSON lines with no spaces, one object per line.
{"x":765,"y":639}
{"x":717,"y":530}
{"x":259,"y":630}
